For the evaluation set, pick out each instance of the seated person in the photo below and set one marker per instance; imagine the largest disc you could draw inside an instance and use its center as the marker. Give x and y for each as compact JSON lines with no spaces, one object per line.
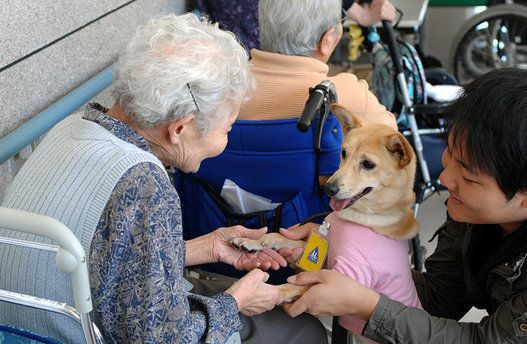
{"x":296,"y":40}
{"x":295,"y":46}
{"x":178,"y":87}
{"x":241,"y":17}
{"x":480,"y":258}
{"x":369,"y":12}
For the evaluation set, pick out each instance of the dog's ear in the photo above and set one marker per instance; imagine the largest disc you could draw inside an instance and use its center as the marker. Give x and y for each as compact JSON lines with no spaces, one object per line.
{"x":347,"y":120}
{"x":400,"y":149}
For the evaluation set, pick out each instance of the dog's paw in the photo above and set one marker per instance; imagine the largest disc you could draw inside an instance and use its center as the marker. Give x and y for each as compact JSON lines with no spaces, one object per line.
{"x":247,"y":244}
{"x":274,"y":241}
{"x":290,"y":292}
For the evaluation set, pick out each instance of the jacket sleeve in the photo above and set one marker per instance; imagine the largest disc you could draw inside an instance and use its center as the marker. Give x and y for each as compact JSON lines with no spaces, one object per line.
{"x":443,"y":295}
{"x":392,"y":322}
{"x":442,"y":289}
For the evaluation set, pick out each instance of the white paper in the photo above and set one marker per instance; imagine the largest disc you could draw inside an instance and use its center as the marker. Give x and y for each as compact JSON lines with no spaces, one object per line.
{"x":244,"y":202}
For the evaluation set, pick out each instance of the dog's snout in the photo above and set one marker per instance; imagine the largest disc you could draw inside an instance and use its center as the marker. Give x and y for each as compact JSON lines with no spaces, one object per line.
{"x":331,"y":189}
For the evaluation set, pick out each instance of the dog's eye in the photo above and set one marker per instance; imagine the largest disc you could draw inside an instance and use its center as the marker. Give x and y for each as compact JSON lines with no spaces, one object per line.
{"x":343,"y":154}
{"x":368,"y":165}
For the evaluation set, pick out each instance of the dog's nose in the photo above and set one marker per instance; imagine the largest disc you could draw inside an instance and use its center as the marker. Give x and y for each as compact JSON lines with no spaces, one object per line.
{"x":331,"y":189}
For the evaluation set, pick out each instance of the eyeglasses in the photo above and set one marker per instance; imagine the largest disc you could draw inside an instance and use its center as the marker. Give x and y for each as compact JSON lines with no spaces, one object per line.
{"x":193,"y":99}
{"x":344,"y":15}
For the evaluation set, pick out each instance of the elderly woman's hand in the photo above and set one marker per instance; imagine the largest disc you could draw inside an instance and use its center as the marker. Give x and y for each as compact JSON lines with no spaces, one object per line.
{"x":253,"y":295}
{"x":332,"y":293}
{"x":368,"y":15}
{"x":224,"y":252}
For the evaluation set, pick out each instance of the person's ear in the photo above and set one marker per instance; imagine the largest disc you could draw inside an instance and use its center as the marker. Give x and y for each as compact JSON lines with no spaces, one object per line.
{"x":178,"y":128}
{"x":327,"y":44}
{"x":523,"y":196}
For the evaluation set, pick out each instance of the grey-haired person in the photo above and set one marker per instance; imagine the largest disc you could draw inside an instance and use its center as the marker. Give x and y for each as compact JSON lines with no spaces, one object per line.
{"x":178,"y":86}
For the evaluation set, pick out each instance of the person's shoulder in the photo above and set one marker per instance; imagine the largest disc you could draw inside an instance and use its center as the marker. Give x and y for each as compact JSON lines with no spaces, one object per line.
{"x":344,"y":77}
{"x":349,"y":85}
{"x":145,"y":176}
{"x":453,"y":231}
{"x":147,"y":170}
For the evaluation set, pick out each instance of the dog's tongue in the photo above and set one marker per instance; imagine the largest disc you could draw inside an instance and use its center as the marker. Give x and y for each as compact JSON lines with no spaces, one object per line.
{"x":339,"y":204}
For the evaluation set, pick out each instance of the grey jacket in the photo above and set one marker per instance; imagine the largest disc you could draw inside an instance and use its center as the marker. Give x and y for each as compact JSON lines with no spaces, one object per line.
{"x":471,"y":266}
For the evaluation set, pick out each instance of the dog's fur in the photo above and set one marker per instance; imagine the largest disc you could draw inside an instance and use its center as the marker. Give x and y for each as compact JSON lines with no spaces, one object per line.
{"x":372,"y":187}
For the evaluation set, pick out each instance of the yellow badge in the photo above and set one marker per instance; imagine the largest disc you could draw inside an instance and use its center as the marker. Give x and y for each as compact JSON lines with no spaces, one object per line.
{"x":315,"y":251}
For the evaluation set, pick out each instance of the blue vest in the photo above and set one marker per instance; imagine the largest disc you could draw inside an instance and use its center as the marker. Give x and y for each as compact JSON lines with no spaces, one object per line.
{"x":267,"y":158}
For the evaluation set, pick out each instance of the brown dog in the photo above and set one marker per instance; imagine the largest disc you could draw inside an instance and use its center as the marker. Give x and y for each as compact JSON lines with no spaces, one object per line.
{"x":373,"y":186}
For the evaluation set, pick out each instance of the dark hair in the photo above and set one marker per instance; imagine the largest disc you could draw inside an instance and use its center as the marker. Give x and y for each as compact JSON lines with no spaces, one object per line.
{"x":488,"y":124}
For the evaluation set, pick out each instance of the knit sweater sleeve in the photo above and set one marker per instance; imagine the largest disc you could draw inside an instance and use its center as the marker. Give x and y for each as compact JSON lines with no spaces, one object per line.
{"x":136,"y":269}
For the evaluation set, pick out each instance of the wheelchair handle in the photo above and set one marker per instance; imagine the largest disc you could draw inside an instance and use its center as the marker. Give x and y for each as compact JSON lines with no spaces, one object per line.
{"x":392,"y":45}
{"x":322,"y":93}
{"x":70,"y":256}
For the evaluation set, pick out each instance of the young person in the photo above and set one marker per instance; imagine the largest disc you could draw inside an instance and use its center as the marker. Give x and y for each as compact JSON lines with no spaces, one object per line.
{"x":480,"y":259}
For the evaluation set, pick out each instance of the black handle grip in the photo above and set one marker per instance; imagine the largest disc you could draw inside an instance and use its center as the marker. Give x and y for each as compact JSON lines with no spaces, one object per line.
{"x":313,"y":105}
{"x":392,"y":45}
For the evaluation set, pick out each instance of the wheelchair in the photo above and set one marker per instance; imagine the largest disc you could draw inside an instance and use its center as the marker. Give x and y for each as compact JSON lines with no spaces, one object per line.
{"x":492,"y":39}
{"x":70,"y":259}
{"x":419,"y":118}
{"x":272,"y":159}
{"x":286,"y":169}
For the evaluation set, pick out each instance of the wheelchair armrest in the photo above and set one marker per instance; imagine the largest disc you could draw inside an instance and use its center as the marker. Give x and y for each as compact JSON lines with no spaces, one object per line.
{"x":439,"y":76}
{"x":431,"y":108}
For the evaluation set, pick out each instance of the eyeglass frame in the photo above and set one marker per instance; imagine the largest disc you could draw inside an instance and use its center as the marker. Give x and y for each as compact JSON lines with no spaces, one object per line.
{"x":193,"y":98}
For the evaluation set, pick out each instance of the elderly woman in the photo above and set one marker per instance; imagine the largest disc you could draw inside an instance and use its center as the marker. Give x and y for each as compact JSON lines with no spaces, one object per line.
{"x":179,"y":86}
{"x":296,"y":41}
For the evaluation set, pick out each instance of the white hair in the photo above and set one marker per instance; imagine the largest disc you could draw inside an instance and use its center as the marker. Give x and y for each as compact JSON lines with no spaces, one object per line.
{"x":180,"y":65}
{"x":295,"y":27}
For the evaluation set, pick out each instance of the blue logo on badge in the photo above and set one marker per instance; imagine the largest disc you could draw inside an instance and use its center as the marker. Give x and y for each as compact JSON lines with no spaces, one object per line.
{"x":313,"y":255}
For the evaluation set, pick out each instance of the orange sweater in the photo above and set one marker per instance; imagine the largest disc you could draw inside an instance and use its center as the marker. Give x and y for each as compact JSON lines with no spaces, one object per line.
{"x":283,"y":83}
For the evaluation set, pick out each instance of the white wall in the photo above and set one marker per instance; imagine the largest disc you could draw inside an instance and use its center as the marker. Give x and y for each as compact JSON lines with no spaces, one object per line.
{"x":441,"y":25}
{"x":49,"y":47}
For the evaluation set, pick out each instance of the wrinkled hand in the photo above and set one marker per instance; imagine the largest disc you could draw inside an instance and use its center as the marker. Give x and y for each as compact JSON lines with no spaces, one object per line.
{"x":295,"y":232}
{"x":332,"y":293}
{"x":253,"y":295}
{"x":372,"y":13}
{"x":240,"y":259}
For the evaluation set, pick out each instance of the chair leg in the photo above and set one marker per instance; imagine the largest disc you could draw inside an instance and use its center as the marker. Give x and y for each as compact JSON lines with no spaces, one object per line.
{"x":339,"y":335}
{"x":418,"y":253}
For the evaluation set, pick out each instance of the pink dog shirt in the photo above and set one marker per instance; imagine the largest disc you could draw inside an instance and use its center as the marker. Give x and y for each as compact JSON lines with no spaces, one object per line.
{"x":372,"y":259}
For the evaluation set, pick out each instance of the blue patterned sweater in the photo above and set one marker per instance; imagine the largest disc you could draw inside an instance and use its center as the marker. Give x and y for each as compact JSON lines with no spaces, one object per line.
{"x":137,"y":261}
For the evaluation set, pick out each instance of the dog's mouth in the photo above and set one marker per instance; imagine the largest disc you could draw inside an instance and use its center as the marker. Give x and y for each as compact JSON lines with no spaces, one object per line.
{"x":339,"y":204}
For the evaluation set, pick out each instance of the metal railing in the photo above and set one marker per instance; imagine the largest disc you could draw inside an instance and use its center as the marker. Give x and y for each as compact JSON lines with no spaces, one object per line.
{"x":10,"y":145}
{"x":70,"y":259}
{"x":37,"y":126}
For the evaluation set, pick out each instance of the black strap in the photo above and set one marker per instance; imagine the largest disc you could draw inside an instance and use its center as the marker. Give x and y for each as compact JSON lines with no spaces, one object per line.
{"x":277,"y":214}
{"x":312,"y":217}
